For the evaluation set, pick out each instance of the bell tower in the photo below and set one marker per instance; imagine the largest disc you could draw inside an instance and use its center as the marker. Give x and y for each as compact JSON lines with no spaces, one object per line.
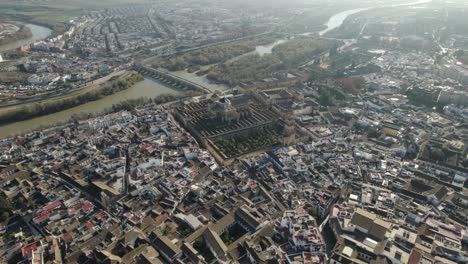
{"x":289,"y":131}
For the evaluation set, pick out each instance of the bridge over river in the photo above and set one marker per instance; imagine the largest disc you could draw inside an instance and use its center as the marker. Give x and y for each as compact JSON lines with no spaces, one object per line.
{"x":171,"y":79}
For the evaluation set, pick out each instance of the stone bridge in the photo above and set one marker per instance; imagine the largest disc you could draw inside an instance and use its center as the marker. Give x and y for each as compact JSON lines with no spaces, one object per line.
{"x":171,"y":79}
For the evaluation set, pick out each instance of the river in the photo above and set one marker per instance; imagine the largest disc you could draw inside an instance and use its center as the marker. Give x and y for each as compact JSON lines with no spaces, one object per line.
{"x":147,"y":88}
{"x":38,"y":33}
{"x":333,"y":22}
{"x":266,"y":49}
{"x":200,"y":80}
{"x":337,"y":20}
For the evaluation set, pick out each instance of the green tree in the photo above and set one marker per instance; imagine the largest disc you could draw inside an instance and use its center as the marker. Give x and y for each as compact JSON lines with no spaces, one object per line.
{"x":437,"y":154}
{"x":5,"y":216}
{"x":325,"y":99}
{"x":166,"y":230}
{"x":373,"y":133}
{"x":313,"y":212}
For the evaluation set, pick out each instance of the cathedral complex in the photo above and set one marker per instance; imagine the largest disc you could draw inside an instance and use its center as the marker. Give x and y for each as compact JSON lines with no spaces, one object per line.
{"x":231,"y":125}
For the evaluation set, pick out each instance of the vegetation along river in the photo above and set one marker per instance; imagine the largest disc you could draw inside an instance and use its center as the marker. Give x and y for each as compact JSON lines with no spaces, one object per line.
{"x":147,"y":88}
{"x":38,"y":33}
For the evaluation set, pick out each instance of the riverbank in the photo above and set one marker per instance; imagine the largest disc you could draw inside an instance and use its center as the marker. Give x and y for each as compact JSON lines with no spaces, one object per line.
{"x":23,"y":32}
{"x":114,"y":85}
{"x":49,"y":14}
{"x":339,"y":19}
{"x":37,"y":33}
{"x":149,"y":88}
{"x":127,"y":105}
{"x":54,"y":14}
{"x":55,"y":95}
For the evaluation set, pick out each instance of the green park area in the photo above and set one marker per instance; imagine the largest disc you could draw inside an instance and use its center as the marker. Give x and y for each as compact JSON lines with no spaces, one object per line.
{"x":255,"y":67}
{"x":212,"y":54}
